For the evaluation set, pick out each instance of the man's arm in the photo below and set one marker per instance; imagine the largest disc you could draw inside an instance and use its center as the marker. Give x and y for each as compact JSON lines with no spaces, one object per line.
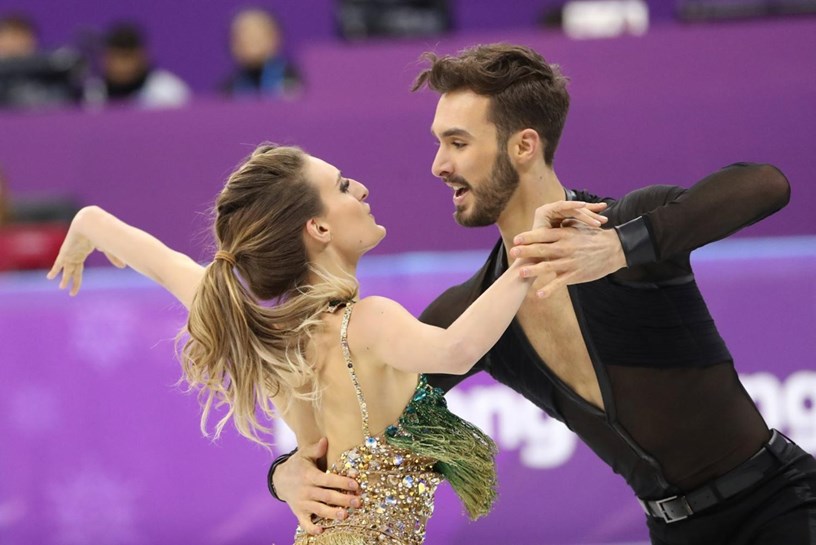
{"x":294,"y":478}
{"x":657,"y":223}
{"x":715,"y":207}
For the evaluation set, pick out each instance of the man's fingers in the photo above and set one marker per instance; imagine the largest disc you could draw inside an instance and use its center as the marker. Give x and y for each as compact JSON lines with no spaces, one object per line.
{"x":315,"y":450}
{"x":545,"y":251}
{"x":558,"y":282}
{"x":562,"y":205}
{"x":333,"y":481}
{"x":544,"y":268}
{"x":594,"y":216}
{"x":552,"y":214}
{"x":334,"y":498}
{"x":326,"y":511}
{"x":584,"y":215}
{"x":308,"y":526}
{"x":536,"y":236}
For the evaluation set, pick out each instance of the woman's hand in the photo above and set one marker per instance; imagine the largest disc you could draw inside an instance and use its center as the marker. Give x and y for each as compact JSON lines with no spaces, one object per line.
{"x":74,"y":251}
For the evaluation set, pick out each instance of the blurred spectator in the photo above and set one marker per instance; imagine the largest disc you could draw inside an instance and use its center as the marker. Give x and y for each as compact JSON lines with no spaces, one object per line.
{"x":256,"y":43}
{"x":129,"y":75}
{"x":18,"y":37}
{"x":359,"y":19}
{"x":30,"y":77}
{"x":4,"y":201}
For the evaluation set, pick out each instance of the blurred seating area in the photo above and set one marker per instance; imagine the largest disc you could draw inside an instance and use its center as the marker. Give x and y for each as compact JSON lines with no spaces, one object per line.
{"x":160,"y":55}
{"x":664,"y":103}
{"x":32,"y":229}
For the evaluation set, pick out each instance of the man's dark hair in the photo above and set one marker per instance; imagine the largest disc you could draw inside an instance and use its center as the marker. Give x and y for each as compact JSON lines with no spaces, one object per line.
{"x":524,"y":89}
{"x":125,"y":36}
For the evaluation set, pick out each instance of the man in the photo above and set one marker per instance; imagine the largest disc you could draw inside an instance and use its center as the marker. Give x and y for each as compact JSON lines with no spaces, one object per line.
{"x":617,"y":341}
{"x":129,"y":75}
{"x":18,"y":37}
{"x":31,"y":77}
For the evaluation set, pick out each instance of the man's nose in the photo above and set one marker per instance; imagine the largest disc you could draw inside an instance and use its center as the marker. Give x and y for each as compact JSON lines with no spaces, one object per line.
{"x":441,"y":167}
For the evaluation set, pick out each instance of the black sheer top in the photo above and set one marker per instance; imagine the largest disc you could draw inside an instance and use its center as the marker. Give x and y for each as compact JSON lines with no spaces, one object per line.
{"x":675,"y":413}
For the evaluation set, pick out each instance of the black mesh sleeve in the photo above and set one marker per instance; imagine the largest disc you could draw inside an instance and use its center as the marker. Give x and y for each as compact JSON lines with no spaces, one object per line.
{"x":676,"y":221}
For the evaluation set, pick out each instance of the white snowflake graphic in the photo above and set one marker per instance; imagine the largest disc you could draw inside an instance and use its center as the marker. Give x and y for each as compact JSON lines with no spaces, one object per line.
{"x":92,"y":507}
{"x":34,"y":410}
{"x":102,"y":335}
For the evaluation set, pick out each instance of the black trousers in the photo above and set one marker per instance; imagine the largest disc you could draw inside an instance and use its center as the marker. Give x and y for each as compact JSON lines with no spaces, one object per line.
{"x":781,"y":510}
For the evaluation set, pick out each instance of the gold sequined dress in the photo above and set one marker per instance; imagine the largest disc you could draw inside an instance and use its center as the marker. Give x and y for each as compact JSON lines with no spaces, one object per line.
{"x":399,"y":470}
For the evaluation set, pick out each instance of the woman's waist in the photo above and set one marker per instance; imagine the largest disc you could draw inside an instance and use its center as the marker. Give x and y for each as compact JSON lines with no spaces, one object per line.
{"x":376,"y":455}
{"x":394,"y":505}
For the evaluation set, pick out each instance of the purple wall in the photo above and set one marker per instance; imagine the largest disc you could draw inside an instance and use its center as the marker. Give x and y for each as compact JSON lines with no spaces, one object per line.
{"x":189,"y":36}
{"x":99,"y":448}
{"x":669,"y":107}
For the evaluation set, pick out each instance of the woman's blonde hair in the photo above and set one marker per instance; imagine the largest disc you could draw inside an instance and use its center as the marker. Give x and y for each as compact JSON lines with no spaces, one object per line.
{"x":254,"y":314}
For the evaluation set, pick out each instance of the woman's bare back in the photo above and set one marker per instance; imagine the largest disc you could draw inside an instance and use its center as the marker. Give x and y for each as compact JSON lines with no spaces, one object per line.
{"x":337,"y":416}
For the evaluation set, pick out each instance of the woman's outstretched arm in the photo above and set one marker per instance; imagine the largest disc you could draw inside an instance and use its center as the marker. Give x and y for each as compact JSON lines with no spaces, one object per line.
{"x":389,"y":333}
{"x":125,"y":246}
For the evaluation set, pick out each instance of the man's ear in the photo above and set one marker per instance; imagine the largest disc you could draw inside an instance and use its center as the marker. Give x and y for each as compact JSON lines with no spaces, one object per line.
{"x":525,"y":146}
{"x":318,"y":230}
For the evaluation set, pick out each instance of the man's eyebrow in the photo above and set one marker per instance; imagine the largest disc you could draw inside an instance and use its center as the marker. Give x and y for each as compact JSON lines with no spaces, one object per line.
{"x":339,"y":177}
{"x":452,"y":132}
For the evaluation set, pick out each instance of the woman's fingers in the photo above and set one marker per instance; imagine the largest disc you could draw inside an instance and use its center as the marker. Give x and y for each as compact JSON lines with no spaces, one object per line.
{"x":76,"y":280}
{"x":55,"y":269}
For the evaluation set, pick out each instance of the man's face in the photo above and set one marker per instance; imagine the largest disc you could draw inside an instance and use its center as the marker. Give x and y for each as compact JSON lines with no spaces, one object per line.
{"x":469,"y":159}
{"x":124,"y":66}
{"x":16,"y":42}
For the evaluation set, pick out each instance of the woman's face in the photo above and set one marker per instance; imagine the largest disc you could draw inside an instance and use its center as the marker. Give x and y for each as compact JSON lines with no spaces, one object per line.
{"x":346,"y":215}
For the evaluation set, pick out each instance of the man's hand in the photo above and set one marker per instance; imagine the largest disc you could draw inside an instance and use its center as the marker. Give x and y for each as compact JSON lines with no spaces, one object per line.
{"x":309,"y":491}
{"x":568,"y":251}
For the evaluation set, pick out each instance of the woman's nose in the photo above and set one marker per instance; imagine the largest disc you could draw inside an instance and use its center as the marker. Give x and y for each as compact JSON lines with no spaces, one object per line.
{"x":362,"y":191}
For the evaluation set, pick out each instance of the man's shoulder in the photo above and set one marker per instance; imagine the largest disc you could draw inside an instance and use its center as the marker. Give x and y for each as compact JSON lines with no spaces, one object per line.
{"x":448,"y":306}
{"x":634,"y":203}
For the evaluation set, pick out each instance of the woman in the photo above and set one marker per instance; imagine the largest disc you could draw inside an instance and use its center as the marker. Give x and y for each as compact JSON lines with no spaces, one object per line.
{"x":274,"y":327}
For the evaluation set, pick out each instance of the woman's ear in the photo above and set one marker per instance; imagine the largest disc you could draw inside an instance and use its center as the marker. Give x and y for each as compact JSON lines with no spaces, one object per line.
{"x":318,"y":231}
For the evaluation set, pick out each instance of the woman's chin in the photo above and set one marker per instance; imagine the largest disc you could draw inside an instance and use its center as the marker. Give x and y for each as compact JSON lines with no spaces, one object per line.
{"x":376,"y":242}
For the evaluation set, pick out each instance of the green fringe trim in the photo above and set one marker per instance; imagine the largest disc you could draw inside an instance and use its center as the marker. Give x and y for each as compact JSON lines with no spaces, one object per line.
{"x":465,"y":453}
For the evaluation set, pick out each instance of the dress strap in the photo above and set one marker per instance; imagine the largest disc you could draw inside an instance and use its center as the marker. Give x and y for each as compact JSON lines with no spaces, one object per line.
{"x":350,"y":366}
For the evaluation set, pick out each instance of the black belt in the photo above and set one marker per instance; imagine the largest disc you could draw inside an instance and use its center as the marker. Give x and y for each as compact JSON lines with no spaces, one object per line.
{"x":760,"y":465}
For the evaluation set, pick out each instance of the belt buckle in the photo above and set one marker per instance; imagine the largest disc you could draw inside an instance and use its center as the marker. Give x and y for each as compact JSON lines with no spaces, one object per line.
{"x":670,"y":513}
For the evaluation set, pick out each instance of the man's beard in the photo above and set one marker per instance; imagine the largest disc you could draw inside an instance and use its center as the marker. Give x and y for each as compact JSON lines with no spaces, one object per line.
{"x":492,"y":195}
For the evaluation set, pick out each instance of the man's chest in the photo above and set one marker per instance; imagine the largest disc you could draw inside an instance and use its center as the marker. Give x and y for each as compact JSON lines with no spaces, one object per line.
{"x":552,"y":329}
